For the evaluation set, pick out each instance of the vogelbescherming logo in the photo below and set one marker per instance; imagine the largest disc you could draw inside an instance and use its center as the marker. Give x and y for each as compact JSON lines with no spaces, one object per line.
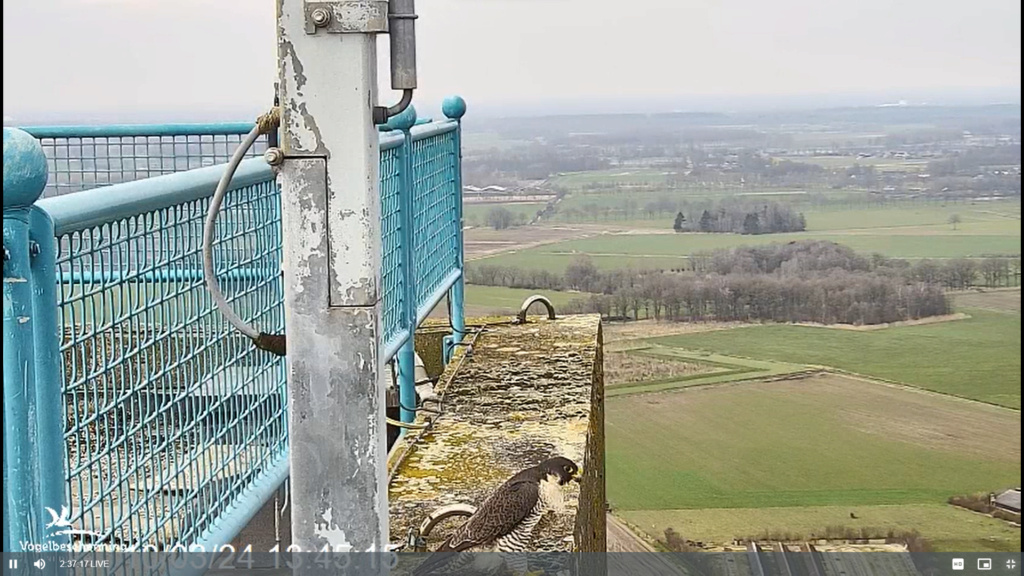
{"x":62,"y":521}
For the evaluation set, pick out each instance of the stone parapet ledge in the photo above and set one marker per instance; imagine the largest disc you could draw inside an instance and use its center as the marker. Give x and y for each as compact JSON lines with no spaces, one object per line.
{"x":518,"y":395}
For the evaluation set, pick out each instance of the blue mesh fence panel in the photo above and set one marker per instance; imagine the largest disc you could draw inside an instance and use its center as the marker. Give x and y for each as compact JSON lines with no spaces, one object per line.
{"x":392,"y":279}
{"x":84,"y":162}
{"x":435,"y":166}
{"x":170,"y":414}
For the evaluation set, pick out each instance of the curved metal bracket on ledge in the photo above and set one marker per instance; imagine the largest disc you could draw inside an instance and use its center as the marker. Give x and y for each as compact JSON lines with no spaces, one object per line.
{"x":521,"y":318}
{"x":436,"y":517}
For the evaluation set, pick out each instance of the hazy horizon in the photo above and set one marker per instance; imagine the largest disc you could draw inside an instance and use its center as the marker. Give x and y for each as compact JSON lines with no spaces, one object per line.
{"x":527,"y":108}
{"x":164,"y":60}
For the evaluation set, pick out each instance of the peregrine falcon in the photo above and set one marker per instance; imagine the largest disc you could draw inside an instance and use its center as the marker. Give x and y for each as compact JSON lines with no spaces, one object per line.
{"x":506,"y":519}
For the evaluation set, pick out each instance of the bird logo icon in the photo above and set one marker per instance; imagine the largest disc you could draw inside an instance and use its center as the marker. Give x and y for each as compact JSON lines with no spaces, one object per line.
{"x":62,"y":521}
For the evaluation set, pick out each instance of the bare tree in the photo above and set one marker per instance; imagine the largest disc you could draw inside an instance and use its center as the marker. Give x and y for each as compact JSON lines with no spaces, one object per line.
{"x":500,"y":218}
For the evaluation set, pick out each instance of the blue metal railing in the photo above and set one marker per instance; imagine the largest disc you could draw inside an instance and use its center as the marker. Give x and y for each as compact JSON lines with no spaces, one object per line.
{"x":168,"y":426}
{"x":171,"y":417}
{"x":86,"y":157}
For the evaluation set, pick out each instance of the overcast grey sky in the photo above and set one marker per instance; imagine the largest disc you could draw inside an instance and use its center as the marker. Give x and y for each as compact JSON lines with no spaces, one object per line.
{"x":215,"y":55}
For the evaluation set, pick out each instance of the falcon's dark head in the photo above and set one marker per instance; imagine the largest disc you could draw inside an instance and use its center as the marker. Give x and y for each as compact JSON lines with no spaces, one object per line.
{"x":563,"y":468}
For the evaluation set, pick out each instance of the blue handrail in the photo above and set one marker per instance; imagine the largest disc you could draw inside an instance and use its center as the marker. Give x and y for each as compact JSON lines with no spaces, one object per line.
{"x":143,"y":130}
{"x":117,"y":274}
{"x":139,"y":130}
{"x":89,"y":208}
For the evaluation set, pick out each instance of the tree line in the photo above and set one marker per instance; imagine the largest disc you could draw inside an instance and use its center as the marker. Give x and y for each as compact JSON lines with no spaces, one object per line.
{"x":732,"y":216}
{"x":805,"y":281}
{"x":839,"y":297}
{"x":728,"y":215}
{"x":820,"y":256}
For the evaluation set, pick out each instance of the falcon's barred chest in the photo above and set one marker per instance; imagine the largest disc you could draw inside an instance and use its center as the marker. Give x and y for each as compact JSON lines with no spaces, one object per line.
{"x":505,"y":521}
{"x":549,"y":499}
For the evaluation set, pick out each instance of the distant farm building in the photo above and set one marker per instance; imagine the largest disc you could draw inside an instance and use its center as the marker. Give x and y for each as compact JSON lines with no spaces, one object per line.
{"x":492,"y":189}
{"x":1009,"y":501}
{"x":494,"y":193}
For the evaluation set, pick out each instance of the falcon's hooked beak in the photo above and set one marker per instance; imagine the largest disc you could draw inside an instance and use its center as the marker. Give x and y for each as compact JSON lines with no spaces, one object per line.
{"x":579,"y":475}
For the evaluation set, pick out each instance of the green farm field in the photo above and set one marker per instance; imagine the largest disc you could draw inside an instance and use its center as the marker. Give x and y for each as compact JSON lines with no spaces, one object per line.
{"x":614,"y":200}
{"x":476,"y":213}
{"x":920,"y":231}
{"x":816,"y":441}
{"x":976,"y":358}
{"x":720,"y":453}
{"x":880,"y":164}
{"x":907,"y":246}
{"x":717,"y":369}
{"x":612,"y":176}
{"x":805,"y":448}
{"x":665,"y":250}
{"x":542,"y":259}
{"x":907,"y":232}
{"x":979,"y":218}
{"x":947,"y":528}
{"x":490,"y":300}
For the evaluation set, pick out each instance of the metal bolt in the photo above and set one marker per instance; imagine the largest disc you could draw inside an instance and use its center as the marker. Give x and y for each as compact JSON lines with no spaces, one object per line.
{"x":273,"y":156}
{"x":33,"y":248}
{"x":321,"y":17}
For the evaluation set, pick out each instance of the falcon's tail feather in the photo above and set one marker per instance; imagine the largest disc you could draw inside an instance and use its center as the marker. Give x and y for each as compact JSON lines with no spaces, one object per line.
{"x":435,"y":561}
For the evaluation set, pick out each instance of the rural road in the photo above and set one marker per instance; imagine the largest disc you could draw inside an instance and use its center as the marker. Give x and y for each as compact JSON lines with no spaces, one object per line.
{"x":622,"y":539}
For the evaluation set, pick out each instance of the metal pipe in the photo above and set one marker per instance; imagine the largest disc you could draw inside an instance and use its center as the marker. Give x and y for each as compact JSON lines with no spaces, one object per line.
{"x":137,"y":130}
{"x":454,"y":108}
{"x":428,"y":304}
{"x":91,"y":208}
{"x":21,"y":505}
{"x":407,"y":98}
{"x":429,"y":129}
{"x":393,"y":345}
{"x":30,"y":450}
{"x":407,"y":241}
{"x":402,"y":35}
{"x":49,"y":400}
{"x":407,"y":380}
{"x":458,"y":309}
{"x":210,"y":230}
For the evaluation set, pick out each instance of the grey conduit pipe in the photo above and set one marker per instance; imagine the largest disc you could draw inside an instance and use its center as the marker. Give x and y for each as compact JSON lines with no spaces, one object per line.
{"x":274,"y":343}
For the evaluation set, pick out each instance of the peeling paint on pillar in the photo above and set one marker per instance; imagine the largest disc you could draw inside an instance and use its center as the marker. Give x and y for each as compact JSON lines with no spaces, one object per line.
{"x":330,"y":218}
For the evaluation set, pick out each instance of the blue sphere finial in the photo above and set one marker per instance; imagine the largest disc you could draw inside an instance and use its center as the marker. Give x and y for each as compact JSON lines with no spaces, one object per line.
{"x":403,"y":121}
{"x":454,"y":107}
{"x":25,"y":169}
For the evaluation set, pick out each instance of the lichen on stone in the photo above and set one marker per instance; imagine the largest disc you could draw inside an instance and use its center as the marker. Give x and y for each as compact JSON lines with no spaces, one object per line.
{"x":521,"y":395}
